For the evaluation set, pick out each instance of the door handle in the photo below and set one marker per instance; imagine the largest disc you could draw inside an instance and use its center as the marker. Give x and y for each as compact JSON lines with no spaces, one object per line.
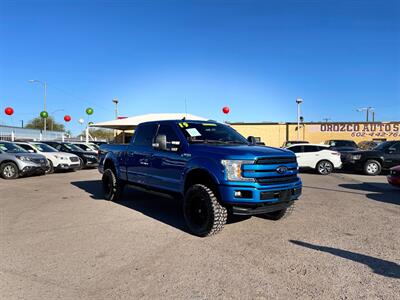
{"x":144,"y":163}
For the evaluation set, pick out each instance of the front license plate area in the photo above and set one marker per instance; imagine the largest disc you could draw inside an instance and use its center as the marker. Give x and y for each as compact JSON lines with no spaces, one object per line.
{"x":285,"y":195}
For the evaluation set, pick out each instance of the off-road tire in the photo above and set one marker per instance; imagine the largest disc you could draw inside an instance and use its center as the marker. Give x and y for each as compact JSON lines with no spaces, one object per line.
{"x":50,"y":169}
{"x":112,"y":187}
{"x":280,"y":214}
{"x":372,"y":167}
{"x":204,"y":215}
{"x":324,"y":167}
{"x":9,"y":170}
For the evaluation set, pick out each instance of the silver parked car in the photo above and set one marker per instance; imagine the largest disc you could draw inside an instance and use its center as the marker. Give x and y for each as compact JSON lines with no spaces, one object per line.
{"x":16,"y":161}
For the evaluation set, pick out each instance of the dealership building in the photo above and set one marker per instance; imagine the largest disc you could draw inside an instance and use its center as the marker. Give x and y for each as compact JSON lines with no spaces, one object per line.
{"x":275,"y":134}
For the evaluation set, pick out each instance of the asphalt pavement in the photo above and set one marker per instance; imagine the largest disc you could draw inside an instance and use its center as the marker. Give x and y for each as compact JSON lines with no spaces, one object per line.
{"x":61,"y":240}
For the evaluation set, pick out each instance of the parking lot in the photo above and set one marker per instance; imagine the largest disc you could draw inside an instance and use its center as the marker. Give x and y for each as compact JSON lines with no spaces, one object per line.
{"x":59,"y":239}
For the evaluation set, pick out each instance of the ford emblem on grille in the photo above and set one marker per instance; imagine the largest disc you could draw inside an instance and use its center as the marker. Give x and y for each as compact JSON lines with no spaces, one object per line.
{"x":281,"y":169}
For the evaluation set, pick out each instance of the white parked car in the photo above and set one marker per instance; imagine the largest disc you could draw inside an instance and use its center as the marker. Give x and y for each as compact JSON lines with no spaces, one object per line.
{"x":317,"y":157}
{"x":57,"y":160}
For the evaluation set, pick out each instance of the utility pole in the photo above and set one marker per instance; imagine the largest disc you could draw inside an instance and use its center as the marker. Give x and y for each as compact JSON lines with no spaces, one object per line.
{"x":298,"y":101}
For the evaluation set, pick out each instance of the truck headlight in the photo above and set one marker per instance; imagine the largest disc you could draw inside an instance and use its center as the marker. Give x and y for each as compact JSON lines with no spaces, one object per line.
{"x":233,"y":169}
{"x":23,"y":158}
{"x":356,"y":156}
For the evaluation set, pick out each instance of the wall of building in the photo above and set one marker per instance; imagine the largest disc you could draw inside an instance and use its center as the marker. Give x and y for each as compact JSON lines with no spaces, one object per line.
{"x":275,"y":134}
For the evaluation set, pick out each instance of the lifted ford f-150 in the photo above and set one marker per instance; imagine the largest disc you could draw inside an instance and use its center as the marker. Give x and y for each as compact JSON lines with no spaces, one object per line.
{"x":213,"y":167}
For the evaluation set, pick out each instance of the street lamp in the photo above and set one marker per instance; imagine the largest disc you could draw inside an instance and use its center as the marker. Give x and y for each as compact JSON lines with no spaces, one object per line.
{"x":44,"y":83}
{"x":53,"y":117}
{"x":115,"y":101}
{"x":367,"y":110}
{"x":298,"y":101}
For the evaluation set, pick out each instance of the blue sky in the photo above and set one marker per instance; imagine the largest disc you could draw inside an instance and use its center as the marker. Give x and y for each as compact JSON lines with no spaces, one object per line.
{"x":254,"y":56}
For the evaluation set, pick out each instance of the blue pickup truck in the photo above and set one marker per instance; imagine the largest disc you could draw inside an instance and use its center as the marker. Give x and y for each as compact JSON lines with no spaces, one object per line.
{"x":210,"y":165}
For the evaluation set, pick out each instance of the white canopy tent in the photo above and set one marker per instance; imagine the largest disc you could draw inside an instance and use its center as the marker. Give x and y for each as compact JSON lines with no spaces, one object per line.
{"x":132,"y":122}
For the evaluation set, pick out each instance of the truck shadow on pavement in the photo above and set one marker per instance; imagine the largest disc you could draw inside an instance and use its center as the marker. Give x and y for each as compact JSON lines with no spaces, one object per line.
{"x":377,"y":265}
{"x":381,"y":192}
{"x":165,"y":209}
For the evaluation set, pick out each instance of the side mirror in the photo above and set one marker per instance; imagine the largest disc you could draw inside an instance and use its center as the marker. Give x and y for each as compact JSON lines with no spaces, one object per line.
{"x":160,"y":142}
{"x":31,"y":151}
{"x":252,"y":140}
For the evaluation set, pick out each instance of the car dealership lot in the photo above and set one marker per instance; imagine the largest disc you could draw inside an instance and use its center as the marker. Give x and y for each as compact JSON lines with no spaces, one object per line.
{"x":59,"y":239}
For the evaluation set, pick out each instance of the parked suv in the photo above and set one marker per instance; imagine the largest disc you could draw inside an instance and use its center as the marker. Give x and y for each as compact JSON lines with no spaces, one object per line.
{"x":342,"y":146}
{"x":56,"y":160}
{"x":372,"y":162}
{"x":16,"y":161}
{"x":87,"y":159}
{"x":317,"y":157}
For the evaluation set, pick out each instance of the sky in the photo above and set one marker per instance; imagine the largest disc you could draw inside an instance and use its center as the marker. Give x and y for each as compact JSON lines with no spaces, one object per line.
{"x":256,"y":57}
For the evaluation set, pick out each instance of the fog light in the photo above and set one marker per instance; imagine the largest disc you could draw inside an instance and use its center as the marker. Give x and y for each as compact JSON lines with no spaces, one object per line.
{"x":238,"y":194}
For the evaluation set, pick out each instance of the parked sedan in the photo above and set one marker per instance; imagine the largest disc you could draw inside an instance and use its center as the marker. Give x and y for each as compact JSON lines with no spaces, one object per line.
{"x":394,"y":176}
{"x":87,"y":159}
{"x":56,"y":160}
{"x":317,"y":157}
{"x":16,"y":161}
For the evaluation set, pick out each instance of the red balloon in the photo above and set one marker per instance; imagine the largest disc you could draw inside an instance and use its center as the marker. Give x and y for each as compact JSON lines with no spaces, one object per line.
{"x":67,"y":118}
{"x":225,"y":110}
{"x":9,"y":111}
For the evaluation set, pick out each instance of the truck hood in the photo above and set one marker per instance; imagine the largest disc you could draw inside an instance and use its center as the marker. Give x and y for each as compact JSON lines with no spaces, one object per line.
{"x":240,"y":151}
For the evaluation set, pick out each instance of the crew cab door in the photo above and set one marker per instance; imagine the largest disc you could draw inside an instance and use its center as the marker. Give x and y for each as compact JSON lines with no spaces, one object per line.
{"x":167,"y":165}
{"x":139,"y":153}
{"x":392,"y":156}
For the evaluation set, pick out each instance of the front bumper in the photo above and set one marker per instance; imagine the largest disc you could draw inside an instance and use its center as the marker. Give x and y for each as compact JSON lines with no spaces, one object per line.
{"x":32,"y":169}
{"x":63,"y":166}
{"x":394,"y":180}
{"x":91,"y":163}
{"x":260,"y":194}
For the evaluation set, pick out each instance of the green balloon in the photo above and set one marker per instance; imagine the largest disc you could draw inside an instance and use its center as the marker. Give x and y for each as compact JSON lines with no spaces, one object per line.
{"x":89,"y":111}
{"x":44,"y":114}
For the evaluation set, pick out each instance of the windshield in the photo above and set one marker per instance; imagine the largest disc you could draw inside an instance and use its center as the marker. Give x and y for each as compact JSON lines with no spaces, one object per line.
{"x":72,"y":147}
{"x":350,"y":144}
{"x":12,"y":148}
{"x":84,"y":147}
{"x":383,"y":146}
{"x":44,"y":147}
{"x":211,"y":133}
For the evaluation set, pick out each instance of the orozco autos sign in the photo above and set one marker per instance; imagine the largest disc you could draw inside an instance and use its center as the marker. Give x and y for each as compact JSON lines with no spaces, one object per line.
{"x":364,"y":130}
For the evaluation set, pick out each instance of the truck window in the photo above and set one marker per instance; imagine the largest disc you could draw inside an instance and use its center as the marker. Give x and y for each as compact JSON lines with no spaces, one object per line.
{"x":169,"y":132}
{"x":145,"y":135}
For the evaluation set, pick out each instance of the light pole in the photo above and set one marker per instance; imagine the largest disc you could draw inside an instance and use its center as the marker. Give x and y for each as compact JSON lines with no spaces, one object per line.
{"x":367,"y":110}
{"x":115,"y":101}
{"x":44,"y":83}
{"x":53,"y":118}
{"x":298,"y":101}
